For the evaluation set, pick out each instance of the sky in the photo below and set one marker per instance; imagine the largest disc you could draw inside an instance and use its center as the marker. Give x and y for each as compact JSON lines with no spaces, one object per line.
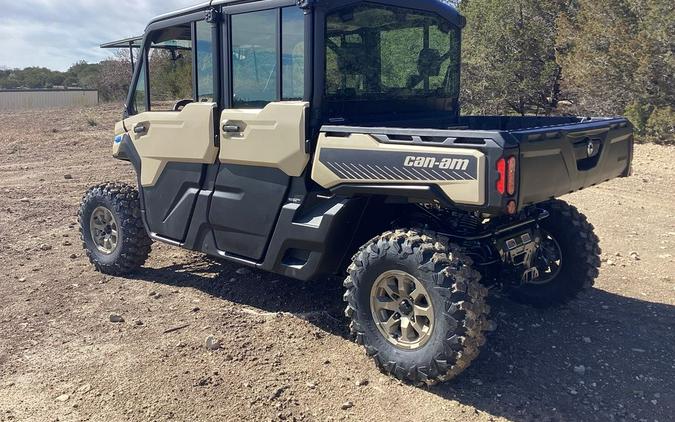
{"x":57,"y":33}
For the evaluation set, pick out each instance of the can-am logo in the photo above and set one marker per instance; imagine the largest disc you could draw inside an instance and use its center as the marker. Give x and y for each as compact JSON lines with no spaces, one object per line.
{"x":431,"y":163}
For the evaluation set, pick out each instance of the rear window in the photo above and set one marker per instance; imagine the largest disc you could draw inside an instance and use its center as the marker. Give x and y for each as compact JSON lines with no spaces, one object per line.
{"x":390,"y":53}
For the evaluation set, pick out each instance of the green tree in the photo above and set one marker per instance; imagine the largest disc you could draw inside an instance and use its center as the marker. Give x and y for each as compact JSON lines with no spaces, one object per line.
{"x":619,"y":59}
{"x":510,"y":56}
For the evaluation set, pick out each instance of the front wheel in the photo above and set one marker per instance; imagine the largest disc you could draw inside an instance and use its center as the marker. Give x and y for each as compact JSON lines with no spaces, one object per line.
{"x":417,"y":306}
{"x":111,"y":228}
{"x":568,"y":259}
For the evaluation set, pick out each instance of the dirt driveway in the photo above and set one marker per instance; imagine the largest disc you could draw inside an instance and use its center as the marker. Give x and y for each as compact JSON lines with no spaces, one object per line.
{"x":285,"y":351}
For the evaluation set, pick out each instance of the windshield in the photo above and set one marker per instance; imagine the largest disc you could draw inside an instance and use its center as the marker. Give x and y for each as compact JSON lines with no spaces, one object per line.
{"x":394,"y":58}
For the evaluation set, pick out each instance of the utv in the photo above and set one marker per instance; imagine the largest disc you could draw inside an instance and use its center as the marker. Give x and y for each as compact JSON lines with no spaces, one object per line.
{"x":315,"y":138}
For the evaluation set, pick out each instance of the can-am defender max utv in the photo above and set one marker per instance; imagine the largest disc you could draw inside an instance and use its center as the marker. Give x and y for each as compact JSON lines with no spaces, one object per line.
{"x":322,"y":137}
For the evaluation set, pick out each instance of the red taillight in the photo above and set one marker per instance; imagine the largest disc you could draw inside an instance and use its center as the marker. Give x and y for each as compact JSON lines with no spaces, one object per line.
{"x":506,"y":168}
{"x":511,"y":176}
{"x":501,"y":182}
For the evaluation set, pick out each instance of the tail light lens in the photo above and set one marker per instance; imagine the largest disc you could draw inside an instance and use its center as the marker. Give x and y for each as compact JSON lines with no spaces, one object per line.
{"x":501,"y":182}
{"x":506,"y":168}
{"x":511,"y":175}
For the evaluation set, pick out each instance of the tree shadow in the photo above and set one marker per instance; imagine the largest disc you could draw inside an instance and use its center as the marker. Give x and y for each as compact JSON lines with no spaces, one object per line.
{"x":603,"y":357}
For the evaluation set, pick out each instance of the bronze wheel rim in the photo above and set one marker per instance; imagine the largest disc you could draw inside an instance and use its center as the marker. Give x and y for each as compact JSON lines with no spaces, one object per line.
{"x":402,"y":310}
{"x":104,"y":230}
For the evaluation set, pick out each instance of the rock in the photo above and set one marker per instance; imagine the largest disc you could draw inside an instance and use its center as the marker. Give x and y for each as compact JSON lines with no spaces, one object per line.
{"x":116,"y":318}
{"x":157,"y":296}
{"x":195,"y":309}
{"x":212,"y":343}
{"x":311,"y":385}
{"x":243,"y":271}
{"x":635,"y":255}
{"x":152,"y":293}
{"x":22,"y":280}
{"x":586,"y":340}
{"x":63,"y":398}
{"x":45,"y":247}
{"x":573,"y":392}
{"x":611,"y":263}
{"x":347,"y":405}
{"x":361,"y":382}
{"x":278,"y":392}
{"x":73,"y":256}
{"x":138,"y":322}
{"x":580,"y":370}
{"x":84,"y":389}
{"x":68,"y":176}
{"x":66,"y":243}
{"x":24,"y":200}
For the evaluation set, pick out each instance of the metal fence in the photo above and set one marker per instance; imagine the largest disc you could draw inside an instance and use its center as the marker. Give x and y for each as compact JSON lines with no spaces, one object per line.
{"x":32,"y":99}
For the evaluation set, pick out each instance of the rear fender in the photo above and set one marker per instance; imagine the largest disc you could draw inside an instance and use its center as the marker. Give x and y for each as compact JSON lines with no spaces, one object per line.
{"x":360,"y":159}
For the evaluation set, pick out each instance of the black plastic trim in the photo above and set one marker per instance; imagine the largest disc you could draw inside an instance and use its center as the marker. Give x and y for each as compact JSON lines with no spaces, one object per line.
{"x":406,"y":193}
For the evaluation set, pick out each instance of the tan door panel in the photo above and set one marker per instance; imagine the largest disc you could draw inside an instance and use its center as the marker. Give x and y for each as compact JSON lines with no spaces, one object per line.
{"x":270,"y":137}
{"x":185,"y":137}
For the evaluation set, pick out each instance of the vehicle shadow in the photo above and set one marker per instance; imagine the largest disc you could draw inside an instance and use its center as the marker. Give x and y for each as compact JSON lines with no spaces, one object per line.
{"x":319,"y":302}
{"x":603,"y":357}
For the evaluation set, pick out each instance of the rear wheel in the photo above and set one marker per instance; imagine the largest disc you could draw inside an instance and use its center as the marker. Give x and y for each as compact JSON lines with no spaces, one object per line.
{"x":417,"y":306}
{"x":568,"y":259}
{"x":112,"y":232}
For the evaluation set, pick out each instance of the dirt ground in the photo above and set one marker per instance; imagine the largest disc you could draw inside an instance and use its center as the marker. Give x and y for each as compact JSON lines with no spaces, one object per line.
{"x":285,"y":350}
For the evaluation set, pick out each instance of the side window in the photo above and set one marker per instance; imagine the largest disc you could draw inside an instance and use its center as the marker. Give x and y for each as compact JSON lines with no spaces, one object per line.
{"x":139,"y":92}
{"x":293,"y":53}
{"x":204,"y":60}
{"x":170,"y":60}
{"x":254,"y":58}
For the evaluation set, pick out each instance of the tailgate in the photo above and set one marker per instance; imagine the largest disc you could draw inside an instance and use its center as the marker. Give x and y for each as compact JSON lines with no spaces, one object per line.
{"x":555,"y":161}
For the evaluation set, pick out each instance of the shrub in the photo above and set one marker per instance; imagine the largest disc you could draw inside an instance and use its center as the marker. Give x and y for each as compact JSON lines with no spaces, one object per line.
{"x":660,"y":127}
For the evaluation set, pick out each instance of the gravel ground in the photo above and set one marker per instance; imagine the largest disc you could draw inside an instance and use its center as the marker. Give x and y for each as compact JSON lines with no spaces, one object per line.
{"x":278,"y":348}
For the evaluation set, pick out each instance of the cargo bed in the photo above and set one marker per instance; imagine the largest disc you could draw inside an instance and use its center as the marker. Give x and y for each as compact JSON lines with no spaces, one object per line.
{"x":556,"y":155}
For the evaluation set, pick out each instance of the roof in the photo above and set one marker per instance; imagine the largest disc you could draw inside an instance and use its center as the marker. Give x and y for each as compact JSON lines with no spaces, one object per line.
{"x":133,"y":42}
{"x":201,"y":6}
{"x":197,"y":8}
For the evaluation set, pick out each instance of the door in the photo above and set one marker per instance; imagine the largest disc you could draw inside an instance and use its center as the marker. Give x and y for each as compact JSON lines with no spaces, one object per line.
{"x":172,"y":127}
{"x":262,"y":132}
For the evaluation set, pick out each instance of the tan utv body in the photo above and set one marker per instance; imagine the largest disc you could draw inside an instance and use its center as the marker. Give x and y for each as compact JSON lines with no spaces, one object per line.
{"x":315,"y":139}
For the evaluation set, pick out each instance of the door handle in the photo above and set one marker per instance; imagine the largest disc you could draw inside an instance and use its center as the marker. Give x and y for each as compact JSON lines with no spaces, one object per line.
{"x":140,"y":129}
{"x":231,"y":129}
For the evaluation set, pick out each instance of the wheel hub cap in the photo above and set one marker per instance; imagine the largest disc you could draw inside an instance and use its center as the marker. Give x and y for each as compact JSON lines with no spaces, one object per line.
{"x":402,"y":310}
{"x":103,"y":228}
{"x":405,"y":307}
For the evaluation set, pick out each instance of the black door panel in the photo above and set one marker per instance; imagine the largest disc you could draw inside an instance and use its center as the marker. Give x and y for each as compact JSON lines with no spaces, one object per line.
{"x":170,"y":202}
{"x":245,"y":206}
